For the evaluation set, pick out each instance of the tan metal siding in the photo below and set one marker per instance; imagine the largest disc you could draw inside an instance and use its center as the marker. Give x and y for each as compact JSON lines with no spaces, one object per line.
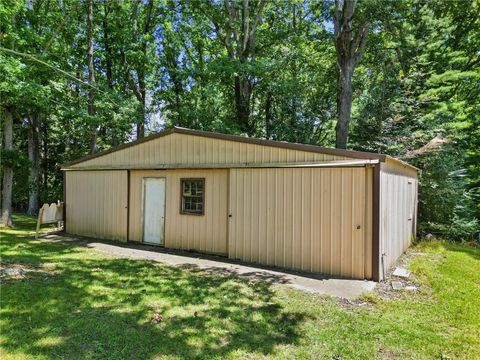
{"x":96,"y":204}
{"x":304,"y":219}
{"x":175,"y":149}
{"x":368,"y":222}
{"x":398,"y":194}
{"x":395,"y":167}
{"x":207,"y":233}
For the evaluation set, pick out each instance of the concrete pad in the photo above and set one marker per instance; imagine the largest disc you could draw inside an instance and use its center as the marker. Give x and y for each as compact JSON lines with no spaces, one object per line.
{"x":401,"y":272}
{"x":341,"y":288}
{"x":397,"y":285}
{"x":316,"y":284}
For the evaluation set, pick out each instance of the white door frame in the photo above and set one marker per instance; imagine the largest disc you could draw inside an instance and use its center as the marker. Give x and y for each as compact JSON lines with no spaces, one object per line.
{"x":144,"y":181}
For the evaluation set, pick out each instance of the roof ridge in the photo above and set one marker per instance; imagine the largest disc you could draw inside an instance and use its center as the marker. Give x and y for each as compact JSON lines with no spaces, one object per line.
{"x":189,"y":131}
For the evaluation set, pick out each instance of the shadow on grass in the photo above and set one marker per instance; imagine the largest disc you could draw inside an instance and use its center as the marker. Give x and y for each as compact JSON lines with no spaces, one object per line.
{"x":469,"y":249}
{"x":102,"y":308}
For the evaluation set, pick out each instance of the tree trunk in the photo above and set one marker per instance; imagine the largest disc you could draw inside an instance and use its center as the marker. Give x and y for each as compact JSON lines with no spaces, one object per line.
{"x":349,"y":45}
{"x":108,"y":50}
{"x":344,"y":106}
{"x":44,"y":155}
{"x":91,"y":77}
{"x":269,"y":115}
{"x":243,"y":93}
{"x":238,"y":36}
{"x":34,"y":157}
{"x":7,"y":170}
{"x":141,"y":120}
{"x":294,"y":132}
{"x":143,"y":103}
{"x":140,"y":91}
{"x":172,"y":69}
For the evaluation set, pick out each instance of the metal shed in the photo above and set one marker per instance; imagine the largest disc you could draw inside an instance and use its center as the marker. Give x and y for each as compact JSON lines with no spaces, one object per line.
{"x":294,"y":206}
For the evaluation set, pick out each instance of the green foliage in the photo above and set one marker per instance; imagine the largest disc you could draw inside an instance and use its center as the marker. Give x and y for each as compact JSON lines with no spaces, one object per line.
{"x":9,"y":157}
{"x":418,"y":79}
{"x":446,"y":204}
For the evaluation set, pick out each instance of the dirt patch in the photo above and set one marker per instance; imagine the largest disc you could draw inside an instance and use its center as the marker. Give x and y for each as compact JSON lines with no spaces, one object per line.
{"x":12,"y":272}
{"x":386,"y":291}
{"x":364,"y":302}
{"x":19,"y":272}
{"x":387,"y":354}
{"x":410,"y":286}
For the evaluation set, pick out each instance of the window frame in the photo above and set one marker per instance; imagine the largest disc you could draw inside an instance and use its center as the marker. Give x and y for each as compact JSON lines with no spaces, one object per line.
{"x":186,"y":212}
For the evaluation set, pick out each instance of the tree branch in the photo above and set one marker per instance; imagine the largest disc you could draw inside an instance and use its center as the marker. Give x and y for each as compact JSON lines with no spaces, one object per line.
{"x":245,"y":27}
{"x":216,"y":28}
{"x":257,"y":19}
{"x":360,"y":43}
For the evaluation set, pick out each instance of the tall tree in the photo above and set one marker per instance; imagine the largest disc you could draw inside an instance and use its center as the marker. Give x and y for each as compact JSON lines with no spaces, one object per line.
{"x":237,"y":28}
{"x":137,"y":65}
{"x":91,"y":77}
{"x":107,"y":44}
{"x":350,"y":44}
{"x":34,"y":158}
{"x":264,"y":68}
{"x":7,"y":166}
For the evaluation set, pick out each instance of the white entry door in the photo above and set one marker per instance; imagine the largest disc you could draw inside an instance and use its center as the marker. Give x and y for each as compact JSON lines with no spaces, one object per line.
{"x":153,"y":210}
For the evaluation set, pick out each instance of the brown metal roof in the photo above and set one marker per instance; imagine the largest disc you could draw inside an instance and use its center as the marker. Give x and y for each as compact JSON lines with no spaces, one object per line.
{"x":264,"y":142}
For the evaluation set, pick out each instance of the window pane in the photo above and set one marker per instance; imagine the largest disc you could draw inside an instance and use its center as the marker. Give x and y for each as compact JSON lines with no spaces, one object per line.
{"x":192,"y":196}
{"x":186,"y":188}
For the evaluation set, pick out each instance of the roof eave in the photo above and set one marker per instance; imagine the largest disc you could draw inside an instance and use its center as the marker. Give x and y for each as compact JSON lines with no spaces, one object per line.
{"x":405,"y":164}
{"x":119,"y":147}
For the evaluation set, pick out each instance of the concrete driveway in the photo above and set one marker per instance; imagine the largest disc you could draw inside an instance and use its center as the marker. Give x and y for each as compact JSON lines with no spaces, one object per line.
{"x":317,"y":284}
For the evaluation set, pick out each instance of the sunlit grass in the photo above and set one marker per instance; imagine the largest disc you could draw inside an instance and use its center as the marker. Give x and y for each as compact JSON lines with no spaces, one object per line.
{"x":75,"y":303}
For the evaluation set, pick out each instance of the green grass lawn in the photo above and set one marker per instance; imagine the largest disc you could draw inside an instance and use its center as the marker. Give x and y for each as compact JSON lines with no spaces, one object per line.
{"x":74,"y":303}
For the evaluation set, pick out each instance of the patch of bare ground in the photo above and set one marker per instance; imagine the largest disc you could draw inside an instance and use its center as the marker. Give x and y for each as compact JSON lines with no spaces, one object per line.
{"x":387,"y":354}
{"x":363,"y":302}
{"x":411,"y":286}
{"x":22,"y":272}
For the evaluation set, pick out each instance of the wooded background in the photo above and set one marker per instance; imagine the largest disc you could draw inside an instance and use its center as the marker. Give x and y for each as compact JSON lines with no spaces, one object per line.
{"x":397,"y":77}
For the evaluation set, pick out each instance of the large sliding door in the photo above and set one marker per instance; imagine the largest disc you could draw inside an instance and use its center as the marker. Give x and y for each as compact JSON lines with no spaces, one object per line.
{"x":96,"y":203}
{"x":310,"y":219}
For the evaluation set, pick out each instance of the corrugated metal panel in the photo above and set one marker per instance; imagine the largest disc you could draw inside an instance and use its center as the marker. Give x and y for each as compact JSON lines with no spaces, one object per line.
{"x":96,"y":204}
{"x":393,"y":166}
{"x":183,"y":149}
{"x":304,"y":219}
{"x":398,"y":194}
{"x":207,"y":233}
{"x":368,"y":221}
